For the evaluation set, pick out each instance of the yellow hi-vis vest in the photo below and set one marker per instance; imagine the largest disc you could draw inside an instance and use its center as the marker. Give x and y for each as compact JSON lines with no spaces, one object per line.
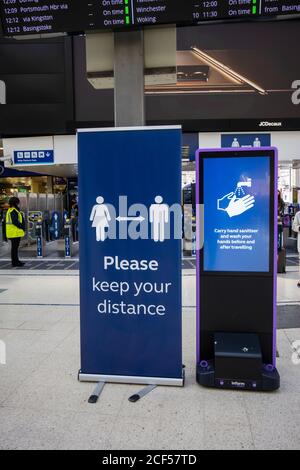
{"x":11,"y":230}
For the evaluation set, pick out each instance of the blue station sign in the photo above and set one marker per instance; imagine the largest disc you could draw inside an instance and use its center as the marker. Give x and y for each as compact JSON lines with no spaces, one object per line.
{"x":30,"y":157}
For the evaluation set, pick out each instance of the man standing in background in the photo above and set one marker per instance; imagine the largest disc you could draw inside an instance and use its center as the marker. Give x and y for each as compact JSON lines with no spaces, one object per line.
{"x":15,"y":229}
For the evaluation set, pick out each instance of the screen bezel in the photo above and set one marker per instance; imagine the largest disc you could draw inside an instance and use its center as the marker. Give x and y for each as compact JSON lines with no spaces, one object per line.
{"x":134,"y":27}
{"x":229,"y":153}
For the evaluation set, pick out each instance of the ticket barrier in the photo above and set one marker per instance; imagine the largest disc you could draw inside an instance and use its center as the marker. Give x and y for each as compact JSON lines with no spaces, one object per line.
{"x":46,"y":228}
{"x":69,"y":232}
{"x":281,"y":268}
{"x":36,"y":232}
{"x":189,"y":231}
{"x":51,"y":226}
{"x":74,"y":221}
{"x":55,"y":226}
{"x":3,"y":238}
{"x":39,"y":239}
{"x":50,"y":229}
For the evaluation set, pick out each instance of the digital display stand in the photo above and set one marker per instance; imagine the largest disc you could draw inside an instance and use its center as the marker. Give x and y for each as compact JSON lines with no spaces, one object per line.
{"x":237,"y":268}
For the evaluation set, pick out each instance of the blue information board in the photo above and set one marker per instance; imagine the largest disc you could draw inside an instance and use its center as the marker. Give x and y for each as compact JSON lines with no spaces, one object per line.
{"x":29,"y":157}
{"x":237,"y":214}
{"x":130,"y":255}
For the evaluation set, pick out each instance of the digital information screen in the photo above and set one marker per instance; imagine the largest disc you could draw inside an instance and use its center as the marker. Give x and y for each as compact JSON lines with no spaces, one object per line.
{"x":22,"y":17}
{"x":237,"y":214}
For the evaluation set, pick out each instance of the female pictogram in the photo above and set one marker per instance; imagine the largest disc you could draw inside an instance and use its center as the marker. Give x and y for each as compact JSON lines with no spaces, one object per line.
{"x":100,"y":217}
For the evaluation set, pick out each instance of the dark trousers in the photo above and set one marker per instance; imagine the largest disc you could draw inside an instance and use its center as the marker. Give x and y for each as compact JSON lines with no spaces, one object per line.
{"x":15,"y":242}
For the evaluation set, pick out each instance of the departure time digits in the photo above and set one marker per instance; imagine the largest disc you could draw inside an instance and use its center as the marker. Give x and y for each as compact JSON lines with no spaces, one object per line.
{"x":21,"y":17}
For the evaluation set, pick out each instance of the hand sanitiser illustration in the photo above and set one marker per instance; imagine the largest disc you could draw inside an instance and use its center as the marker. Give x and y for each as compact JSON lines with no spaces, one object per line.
{"x":242,"y":188}
{"x":238,"y":202}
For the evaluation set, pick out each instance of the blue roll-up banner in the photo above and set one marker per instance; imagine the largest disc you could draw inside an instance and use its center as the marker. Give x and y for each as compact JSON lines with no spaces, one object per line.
{"x":130,"y":255}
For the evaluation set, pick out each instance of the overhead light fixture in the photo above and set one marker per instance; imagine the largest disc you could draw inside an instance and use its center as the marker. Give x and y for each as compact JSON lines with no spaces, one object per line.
{"x":194,"y":92}
{"x":227,"y":70}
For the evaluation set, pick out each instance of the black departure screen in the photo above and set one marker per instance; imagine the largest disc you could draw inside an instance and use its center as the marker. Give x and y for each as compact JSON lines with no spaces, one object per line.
{"x":22,"y":17}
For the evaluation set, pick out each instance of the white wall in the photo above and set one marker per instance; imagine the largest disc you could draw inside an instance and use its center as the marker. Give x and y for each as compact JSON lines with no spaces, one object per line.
{"x":64,"y":147}
{"x":288,"y":143}
{"x":26,"y":143}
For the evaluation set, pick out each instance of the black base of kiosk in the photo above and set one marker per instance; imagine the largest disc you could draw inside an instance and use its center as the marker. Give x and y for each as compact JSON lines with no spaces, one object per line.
{"x":237,"y":365}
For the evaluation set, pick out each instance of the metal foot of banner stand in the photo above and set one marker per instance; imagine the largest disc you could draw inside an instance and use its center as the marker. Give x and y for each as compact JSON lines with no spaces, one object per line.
{"x":96,"y":393}
{"x":137,"y":396}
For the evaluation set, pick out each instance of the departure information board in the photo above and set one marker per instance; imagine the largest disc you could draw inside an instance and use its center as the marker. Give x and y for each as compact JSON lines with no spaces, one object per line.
{"x":22,"y":17}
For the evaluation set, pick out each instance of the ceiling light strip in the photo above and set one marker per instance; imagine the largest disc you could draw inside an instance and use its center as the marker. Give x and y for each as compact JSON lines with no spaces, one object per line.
{"x":227,"y":70}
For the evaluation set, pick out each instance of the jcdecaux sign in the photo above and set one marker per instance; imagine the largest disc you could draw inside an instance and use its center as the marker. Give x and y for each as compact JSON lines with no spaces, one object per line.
{"x":130,"y":205}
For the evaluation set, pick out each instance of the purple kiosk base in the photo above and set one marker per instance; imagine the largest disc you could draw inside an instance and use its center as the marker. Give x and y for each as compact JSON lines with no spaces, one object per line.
{"x":237,"y":364}
{"x":269,"y":380}
{"x":237,"y":268}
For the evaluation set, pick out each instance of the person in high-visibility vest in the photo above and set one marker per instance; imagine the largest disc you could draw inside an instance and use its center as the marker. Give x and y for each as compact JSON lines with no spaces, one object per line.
{"x":15,"y":229}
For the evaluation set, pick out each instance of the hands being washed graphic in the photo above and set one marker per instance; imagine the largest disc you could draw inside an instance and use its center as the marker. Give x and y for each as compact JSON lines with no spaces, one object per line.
{"x":234,"y":206}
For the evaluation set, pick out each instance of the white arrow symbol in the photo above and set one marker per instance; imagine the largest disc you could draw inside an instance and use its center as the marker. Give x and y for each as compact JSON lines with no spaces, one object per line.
{"x":123,"y":219}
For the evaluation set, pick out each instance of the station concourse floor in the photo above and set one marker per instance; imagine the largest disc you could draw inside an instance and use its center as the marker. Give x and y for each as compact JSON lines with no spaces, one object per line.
{"x":43,"y":406}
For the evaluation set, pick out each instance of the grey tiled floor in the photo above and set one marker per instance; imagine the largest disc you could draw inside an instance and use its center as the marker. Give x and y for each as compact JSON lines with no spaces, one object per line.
{"x":56,"y":261}
{"x":42,"y":405}
{"x":66,"y":264}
